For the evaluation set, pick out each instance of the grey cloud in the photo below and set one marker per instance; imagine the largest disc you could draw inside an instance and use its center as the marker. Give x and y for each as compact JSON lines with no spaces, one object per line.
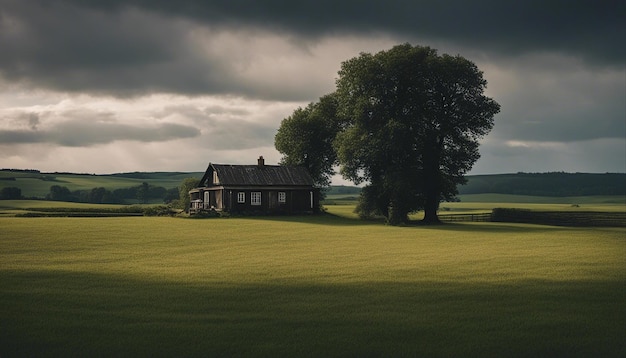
{"x":33,"y":120}
{"x":236,"y":134}
{"x":587,"y":156}
{"x":573,"y":105}
{"x":563,"y":124}
{"x":200,"y":114}
{"x":65,"y":47}
{"x":133,"y":47}
{"x":79,"y":133}
{"x":224,"y":128}
{"x":122,"y":52}
{"x":587,"y":28}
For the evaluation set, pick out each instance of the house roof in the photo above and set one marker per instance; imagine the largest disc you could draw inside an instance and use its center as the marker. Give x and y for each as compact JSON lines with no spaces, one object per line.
{"x":257,"y":175}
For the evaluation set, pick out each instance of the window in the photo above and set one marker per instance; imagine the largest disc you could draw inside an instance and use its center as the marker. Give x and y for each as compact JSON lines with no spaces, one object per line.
{"x":216,"y":180}
{"x":241,"y":197}
{"x":282,"y":198}
{"x":255,"y":198}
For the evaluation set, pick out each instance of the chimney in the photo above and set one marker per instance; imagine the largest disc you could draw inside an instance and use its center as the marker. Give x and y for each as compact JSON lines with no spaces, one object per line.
{"x":261,"y":161}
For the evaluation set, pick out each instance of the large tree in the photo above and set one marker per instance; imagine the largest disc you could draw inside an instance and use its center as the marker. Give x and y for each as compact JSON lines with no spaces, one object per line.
{"x":415,"y":119}
{"x":306,"y":139}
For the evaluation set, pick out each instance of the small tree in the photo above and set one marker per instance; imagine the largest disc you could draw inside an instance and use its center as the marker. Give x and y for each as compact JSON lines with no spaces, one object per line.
{"x":143,"y":192}
{"x":306,"y":138}
{"x":59,"y":193}
{"x":10,"y":193}
{"x":97,"y":195}
{"x":183,"y":192}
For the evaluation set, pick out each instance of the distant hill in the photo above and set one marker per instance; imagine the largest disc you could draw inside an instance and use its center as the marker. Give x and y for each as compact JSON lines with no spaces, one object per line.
{"x":547,"y":184}
{"x":532,"y":184}
{"x":35,"y":184}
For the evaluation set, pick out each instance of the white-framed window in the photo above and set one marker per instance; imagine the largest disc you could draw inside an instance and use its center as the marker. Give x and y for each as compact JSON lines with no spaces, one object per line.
{"x":216,"y":180}
{"x":255,"y":198}
{"x":282,"y":197}
{"x":241,"y":197}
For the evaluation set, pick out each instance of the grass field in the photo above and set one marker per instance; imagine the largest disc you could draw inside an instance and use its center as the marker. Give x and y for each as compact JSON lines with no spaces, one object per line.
{"x":485,"y":203}
{"x":308,"y":286}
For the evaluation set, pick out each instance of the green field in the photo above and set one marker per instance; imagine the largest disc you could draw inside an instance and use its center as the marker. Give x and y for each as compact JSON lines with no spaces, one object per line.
{"x":313,"y":286}
{"x":485,"y":203}
{"x":38,"y":184}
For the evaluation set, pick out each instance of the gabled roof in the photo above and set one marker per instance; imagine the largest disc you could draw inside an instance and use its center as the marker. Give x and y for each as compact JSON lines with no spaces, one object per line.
{"x":257,"y":175}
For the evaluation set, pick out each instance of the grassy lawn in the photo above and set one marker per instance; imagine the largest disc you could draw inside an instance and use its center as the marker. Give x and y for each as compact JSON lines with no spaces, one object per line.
{"x":308,"y":286}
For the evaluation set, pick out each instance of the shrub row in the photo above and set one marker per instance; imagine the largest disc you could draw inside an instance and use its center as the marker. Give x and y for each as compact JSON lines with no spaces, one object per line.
{"x":160,"y":210}
{"x":559,"y":218}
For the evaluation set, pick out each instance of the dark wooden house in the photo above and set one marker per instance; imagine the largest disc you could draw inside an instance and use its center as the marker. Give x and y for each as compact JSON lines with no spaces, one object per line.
{"x":271,"y":189}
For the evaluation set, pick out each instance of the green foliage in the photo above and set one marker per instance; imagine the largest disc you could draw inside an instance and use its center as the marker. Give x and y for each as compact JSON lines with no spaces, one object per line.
{"x":100,"y":195}
{"x":405,"y":121}
{"x":306,"y":139}
{"x":414,"y":120}
{"x":212,"y":213}
{"x":159,"y":210}
{"x":60,"y":193}
{"x":184,"y":201}
{"x":10,"y":193}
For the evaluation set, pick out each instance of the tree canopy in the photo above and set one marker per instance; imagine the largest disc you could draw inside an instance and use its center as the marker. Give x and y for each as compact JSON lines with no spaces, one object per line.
{"x":407,"y":123}
{"x":306,"y":139}
{"x":184,"y":201}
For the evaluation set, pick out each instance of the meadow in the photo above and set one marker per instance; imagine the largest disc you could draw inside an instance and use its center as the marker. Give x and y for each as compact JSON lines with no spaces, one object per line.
{"x":326,"y":285}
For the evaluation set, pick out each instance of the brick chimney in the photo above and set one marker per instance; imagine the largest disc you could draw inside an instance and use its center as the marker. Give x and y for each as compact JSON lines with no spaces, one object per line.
{"x":261,"y":161}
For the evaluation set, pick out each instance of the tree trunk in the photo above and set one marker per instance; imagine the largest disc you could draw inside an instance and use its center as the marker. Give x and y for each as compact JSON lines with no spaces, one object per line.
{"x":397,"y":214}
{"x":432,"y":182}
{"x":430,"y":209}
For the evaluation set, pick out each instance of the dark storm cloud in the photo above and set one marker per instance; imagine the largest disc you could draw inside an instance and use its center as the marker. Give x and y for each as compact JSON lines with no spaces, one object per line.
{"x":80,"y":133}
{"x":588,"y":28}
{"x":70,"y":48}
{"x":139,"y":46}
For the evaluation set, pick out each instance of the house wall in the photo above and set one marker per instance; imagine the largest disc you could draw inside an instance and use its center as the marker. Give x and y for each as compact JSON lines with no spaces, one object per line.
{"x":226,"y":199}
{"x":297,"y":200}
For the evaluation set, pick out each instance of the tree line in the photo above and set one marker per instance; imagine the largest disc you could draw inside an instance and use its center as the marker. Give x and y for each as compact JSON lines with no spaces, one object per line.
{"x":143,"y":193}
{"x":547,"y":184}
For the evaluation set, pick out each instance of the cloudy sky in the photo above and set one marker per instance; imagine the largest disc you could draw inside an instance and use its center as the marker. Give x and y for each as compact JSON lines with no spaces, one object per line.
{"x":155,"y":85}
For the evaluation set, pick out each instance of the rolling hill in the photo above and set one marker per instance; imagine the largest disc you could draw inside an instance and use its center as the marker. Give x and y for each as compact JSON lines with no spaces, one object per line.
{"x":35,"y":184}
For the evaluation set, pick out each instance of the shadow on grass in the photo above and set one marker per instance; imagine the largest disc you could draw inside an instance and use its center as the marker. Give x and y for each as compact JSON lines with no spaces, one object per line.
{"x":324,"y":218}
{"x":330,"y":219}
{"x":85,"y":314}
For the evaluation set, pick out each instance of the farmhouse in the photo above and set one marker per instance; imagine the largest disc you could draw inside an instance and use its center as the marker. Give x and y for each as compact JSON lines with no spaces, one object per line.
{"x":257,"y":188}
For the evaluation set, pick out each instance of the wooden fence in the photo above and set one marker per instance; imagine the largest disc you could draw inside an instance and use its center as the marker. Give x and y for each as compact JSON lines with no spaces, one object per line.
{"x":558,"y":218}
{"x":483,"y":217}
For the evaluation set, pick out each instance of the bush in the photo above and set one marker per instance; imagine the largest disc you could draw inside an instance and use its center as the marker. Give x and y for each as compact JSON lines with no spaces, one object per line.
{"x":560,"y":218}
{"x":206,"y":214}
{"x":160,"y":210}
{"x":10,"y":193}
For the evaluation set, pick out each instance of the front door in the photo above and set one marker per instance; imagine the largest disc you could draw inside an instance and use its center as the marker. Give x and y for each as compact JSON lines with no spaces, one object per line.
{"x":273,"y":200}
